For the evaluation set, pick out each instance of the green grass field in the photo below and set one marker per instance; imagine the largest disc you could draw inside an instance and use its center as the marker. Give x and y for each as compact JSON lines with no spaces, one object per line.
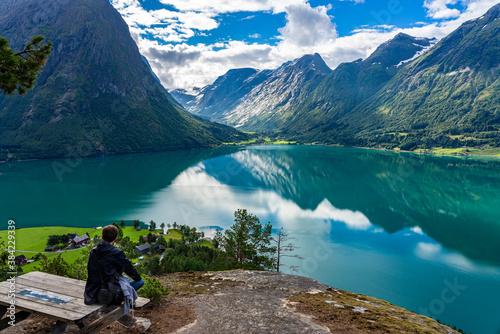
{"x":173,"y":234}
{"x":34,"y":239}
{"x":206,"y":243}
{"x":129,"y":231}
{"x":69,"y":257}
{"x":263,"y":141}
{"x":440,"y":150}
{"x":469,"y":151}
{"x":283,"y":142}
{"x":244,"y":142}
{"x":487,"y":151}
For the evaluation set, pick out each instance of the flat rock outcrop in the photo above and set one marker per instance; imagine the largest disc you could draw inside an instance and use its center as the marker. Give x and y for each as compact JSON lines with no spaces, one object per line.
{"x":261,"y":302}
{"x":257,"y":305}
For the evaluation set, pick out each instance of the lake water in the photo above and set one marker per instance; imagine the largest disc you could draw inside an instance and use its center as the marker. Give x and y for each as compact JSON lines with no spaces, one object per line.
{"x":419,"y":231}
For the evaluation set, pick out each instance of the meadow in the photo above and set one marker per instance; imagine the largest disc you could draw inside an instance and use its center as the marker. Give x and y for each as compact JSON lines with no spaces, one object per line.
{"x":31,"y":241}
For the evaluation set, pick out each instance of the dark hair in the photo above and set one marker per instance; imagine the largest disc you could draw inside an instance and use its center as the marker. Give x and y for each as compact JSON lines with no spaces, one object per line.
{"x":109,"y":233}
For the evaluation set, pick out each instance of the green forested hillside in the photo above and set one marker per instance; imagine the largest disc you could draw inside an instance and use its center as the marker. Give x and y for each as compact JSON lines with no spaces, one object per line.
{"x":95,"y":95}
{"x":448,"y":97}
{"x":349,"y":85}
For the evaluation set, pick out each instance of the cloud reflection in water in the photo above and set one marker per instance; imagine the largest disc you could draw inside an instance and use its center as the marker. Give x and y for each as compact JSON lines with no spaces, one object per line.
{"x":196,"y":198}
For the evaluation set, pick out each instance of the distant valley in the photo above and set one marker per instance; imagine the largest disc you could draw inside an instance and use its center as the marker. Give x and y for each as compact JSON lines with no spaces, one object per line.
{"x":98,"y":96}
{"x":410,"y":93}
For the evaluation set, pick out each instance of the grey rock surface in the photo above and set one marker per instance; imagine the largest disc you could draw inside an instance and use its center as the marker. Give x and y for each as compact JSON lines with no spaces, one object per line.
{"x":265,"y":310}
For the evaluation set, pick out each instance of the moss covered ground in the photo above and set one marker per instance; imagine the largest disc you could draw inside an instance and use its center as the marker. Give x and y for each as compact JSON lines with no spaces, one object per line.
{"x":347,"y":312}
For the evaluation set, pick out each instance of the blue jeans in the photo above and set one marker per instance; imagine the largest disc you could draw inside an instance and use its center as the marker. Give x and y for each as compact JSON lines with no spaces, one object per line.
{"x":137,"y":284}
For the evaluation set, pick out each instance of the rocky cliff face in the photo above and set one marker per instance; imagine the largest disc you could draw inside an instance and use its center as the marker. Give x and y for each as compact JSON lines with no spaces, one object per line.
{"x":257,"y":100}
{"x":95,"y":95}
{"x":270,"y":105}
{"x":214,"y":100}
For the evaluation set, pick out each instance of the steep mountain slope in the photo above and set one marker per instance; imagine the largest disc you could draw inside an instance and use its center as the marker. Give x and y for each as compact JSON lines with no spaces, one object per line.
{"x":269,"y":105}
{"x":223,"y":95}
{"x":450,"y":93}
{"x":352,"y":83}
{"x":95,"y":95}
{"x":447,"y":97}
{"x":184,"y":97}
{"x":258,"y":100}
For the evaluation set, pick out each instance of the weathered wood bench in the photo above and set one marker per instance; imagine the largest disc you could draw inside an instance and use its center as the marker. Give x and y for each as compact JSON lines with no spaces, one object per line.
{"x":67,"y":307}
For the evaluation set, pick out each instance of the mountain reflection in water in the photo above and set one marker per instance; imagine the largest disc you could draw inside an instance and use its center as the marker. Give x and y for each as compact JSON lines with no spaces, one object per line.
{"x":401,"y":227}
{"x":454,"y":201}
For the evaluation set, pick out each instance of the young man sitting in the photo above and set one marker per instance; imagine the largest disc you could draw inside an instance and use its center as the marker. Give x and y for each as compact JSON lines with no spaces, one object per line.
{"x":111,"y":263}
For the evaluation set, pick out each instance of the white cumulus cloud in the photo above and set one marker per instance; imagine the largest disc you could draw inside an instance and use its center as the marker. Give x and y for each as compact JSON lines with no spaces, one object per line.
{"x":307,"y":26}
{"x":199,"y":195}
{"x":307,"y":29}
{"x":438,"y":9}
{"x":225,"y":6}
{"x":183,"y":65}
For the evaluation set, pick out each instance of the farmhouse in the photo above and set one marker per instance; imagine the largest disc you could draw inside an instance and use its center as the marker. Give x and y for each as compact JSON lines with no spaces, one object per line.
{"x":20,"y":260}
{"x":144,"y":249}
{"x":80,"y":240}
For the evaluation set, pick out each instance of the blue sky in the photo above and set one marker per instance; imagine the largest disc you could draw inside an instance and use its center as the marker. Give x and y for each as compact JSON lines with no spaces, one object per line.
{"x":191,"y":42}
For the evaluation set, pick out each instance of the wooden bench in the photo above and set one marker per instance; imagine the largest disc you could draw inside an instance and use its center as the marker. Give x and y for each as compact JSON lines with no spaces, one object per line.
{"x":71,"y":308}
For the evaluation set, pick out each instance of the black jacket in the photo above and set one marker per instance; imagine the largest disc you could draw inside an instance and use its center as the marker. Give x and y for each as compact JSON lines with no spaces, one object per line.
{"x":112,"y":262}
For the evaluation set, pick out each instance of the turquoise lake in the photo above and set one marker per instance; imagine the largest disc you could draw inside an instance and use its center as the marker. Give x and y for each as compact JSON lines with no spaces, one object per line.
{"x":419,"y":231}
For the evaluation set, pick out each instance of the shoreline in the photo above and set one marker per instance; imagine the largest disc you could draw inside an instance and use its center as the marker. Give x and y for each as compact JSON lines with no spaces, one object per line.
{"x":278,"y":143}
{"x":436,"y":154}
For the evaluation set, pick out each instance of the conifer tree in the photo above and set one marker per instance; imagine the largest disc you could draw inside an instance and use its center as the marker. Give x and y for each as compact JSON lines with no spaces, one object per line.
{"x":19,"y":70}
{"x":247,"y":241}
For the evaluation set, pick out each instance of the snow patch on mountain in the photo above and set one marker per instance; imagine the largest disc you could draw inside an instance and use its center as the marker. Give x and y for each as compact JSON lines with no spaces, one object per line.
{"x":467,"y":69}
{"x":419,"y":53}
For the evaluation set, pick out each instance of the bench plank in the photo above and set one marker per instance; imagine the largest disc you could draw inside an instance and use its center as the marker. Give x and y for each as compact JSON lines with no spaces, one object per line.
{"x":43,"y":277}
{"x":75,"y":310}
{"x":72,"y":291}
{"x":76,"y":304}
{"x":35,"y":306}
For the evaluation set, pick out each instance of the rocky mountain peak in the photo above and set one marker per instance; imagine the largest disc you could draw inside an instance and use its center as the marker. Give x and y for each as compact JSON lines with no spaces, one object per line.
{"x":400,"y":49}
{"x":234,"y":76}
{"x":313,"y":62}
{"x":267,"y":93}
{"x":494,"y":12}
